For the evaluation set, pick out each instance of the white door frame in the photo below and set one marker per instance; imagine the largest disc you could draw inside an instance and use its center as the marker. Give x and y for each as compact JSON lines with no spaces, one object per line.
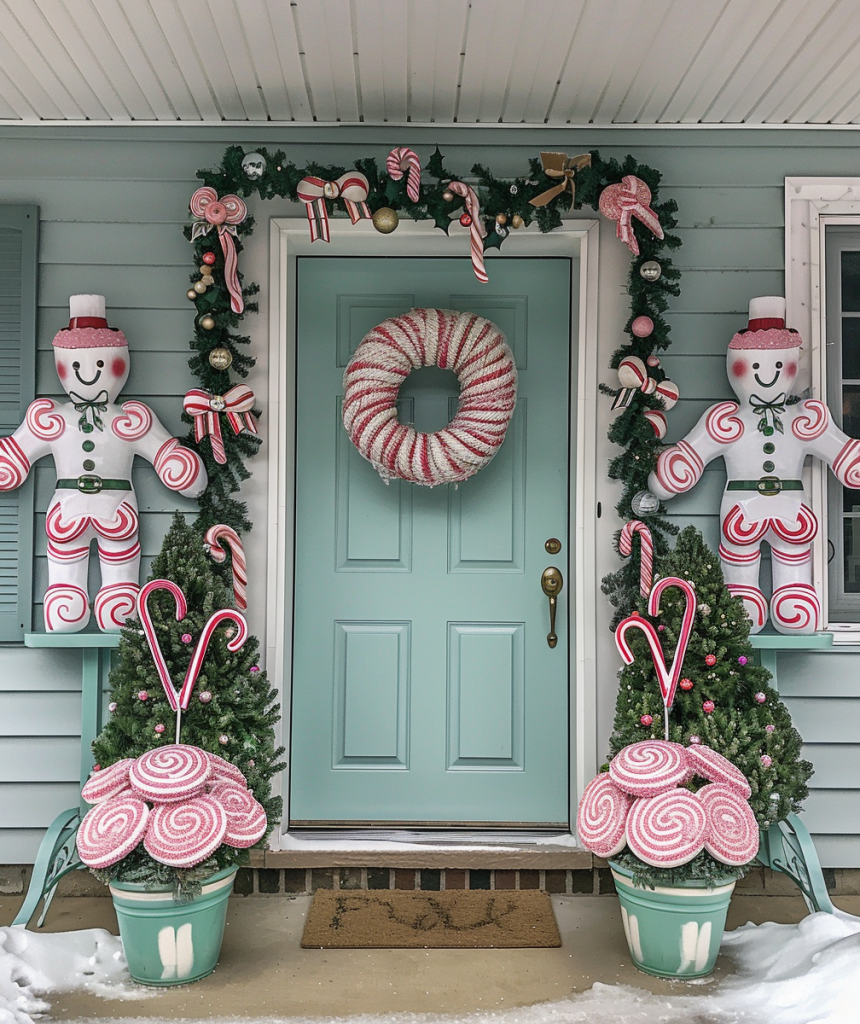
{"x":289,"y":238}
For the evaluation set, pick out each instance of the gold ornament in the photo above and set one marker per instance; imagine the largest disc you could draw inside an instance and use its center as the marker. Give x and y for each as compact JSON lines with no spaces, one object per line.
{"x":501,"y":218}
{"x":385,"y":220}
{"x":199,"y":287}
{"x":447,"y":196}
{"x":220,"y":358}
{"x":517,"y":221}
{"x":207,"y":322}
{"x":191,"y":294}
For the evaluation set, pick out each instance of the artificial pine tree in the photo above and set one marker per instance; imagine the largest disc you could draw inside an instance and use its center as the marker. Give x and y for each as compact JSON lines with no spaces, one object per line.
{"x":724,"y":700}
{"x":232,"y":711}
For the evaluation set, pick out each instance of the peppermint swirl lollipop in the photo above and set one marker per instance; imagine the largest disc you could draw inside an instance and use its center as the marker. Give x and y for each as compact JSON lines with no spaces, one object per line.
{"x":107,"y":782}
{"x":732,"y":834}
{"x":110,"y":830}
{"x":710,"y":765}
{"x":167,"y":774}
{"x":602,"y":816}
{"x":650,"y":767}
{"x":182,"y":835}
{"x":667,"y":830}
{"x":246,"y":819}
{"x":224,"y":771}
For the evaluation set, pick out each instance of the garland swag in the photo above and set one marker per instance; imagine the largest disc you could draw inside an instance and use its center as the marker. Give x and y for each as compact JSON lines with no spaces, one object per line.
{"x":216,"y":323}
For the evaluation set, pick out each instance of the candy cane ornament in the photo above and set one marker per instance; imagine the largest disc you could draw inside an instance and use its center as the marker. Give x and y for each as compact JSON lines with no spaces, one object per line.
{"x":196,"y":662}
{"x":214,"y":535}
{"x":477,"y":231}
{"x":646,"y":554}
{"x":400,"y":160}
{"x":149,"y":631}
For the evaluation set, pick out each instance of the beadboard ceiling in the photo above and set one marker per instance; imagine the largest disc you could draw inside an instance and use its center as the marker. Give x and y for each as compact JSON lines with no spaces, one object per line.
{"x":556,"y":62}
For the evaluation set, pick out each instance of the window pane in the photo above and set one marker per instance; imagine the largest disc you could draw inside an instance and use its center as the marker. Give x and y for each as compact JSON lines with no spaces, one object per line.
{"x":850,"y":500}
{"x":851,"y":537}
{"x":851,"y":348}
{"x":851,"y":410}
{"x":851,"y":282}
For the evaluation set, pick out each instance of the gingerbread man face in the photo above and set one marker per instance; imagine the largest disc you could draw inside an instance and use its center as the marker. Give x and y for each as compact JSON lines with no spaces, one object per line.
{"x":92,"y":374}
{"x":762,"y":372}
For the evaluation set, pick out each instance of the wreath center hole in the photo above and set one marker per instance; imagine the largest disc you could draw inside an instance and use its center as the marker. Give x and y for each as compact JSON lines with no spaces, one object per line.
{"x":428,"y":399}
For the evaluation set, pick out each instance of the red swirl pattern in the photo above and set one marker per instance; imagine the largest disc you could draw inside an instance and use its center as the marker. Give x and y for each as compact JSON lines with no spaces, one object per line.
{"x":796,"y":608}
{"x":754,"y":602}
{"x":43,"y":421}
{"x":64,"y":605}
{"x":650,"y":767}
{"x":813,"y":424}
{"x":123,"y":526}
{"x":14,"y":464}
{"x":135,"y":424}
{"x":846,"y":465}
{"x":708,"y":764}
{"x":170,"y":773}
{"x":679,"y":467}
{"x":738,"y":530}
{"x":740,"y":557}
{"x":186,"y":834}
{"x":802,"y":531}
{"x":246,"y":819}
{"x":732,"y":835}
{"x":178,"y":467}
{"x":64,"y":530}
{"x":114,"y":604}
{"x":224,"y":771}
{"x":602,"y":816}
{"x":107,"y":782}
{"x":667,"y":830}
{"x":110,"y":830}
{"x":722,"y":424}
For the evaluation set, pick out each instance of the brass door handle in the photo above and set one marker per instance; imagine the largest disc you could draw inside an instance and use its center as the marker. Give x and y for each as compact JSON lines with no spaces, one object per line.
{"x":551,"y":583}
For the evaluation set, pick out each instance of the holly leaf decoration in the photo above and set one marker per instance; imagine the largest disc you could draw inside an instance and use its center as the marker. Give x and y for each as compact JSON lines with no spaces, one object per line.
{"x":435,"y":167}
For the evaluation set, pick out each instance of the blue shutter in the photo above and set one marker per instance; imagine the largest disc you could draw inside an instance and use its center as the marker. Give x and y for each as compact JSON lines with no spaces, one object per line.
{"x":19,"y":230}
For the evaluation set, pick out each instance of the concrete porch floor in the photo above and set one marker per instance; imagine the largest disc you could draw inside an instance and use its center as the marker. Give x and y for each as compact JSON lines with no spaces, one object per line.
{"x":263,"y":972}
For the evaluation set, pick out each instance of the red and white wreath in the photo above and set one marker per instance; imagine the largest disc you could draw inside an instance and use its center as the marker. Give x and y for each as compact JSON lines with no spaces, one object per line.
{"x":475,"y":349}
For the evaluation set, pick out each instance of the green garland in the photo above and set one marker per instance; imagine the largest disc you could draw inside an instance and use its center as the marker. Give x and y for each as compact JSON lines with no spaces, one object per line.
{"x":506,"y":199}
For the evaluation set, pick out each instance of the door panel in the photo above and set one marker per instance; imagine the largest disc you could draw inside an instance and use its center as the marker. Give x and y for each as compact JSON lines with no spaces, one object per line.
{"x":423,"y":687}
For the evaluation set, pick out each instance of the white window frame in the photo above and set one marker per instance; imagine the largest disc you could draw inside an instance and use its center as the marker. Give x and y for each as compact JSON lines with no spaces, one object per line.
{"x":810,"y":205}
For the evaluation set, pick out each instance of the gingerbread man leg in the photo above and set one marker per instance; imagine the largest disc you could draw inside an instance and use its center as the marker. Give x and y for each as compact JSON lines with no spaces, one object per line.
{"x":794,"y":604}
{"x":66,"y":607}
{"x":119,"y":557}
{"x":740,"y":557}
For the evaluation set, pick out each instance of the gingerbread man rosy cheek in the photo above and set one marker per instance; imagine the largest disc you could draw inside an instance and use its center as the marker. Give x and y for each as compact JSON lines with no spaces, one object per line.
{"x":94,"y":441}
{"x":764,"y":439}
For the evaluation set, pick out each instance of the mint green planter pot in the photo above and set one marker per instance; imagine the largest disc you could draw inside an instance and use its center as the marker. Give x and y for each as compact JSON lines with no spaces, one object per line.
{"x":673,"y":931}
{"x":169,"y":943}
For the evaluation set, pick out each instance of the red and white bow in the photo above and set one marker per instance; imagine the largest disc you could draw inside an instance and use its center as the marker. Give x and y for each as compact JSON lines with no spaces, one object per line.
{"x":224,"y":214}
{"x":353,"y":188}
{"x":237,"y":404}
{"x":623,"y":202}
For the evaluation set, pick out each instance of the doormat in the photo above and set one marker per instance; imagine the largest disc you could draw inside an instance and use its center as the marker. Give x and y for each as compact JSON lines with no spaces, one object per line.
{"x":403,"y":919}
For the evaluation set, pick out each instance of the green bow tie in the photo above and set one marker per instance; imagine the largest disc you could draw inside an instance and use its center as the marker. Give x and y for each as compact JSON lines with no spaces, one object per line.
{"x":761,"y":407}
{"x":90,"y":408}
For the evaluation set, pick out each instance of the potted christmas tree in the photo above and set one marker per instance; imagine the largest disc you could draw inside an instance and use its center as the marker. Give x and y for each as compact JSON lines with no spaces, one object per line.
{"x":703,"y":755}
{"x":182,"y":782}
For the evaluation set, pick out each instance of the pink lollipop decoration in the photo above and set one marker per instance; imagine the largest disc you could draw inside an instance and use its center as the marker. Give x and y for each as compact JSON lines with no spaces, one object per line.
{"x":477,"y":232}
{"x":650,"y":767}
{"x":646,"y":557}
{"x":400,"y":160}
{"x":222,"y":214}
{"x":246,"y":819}
{"x":214,"y":536}
{"x":149,"y":630}
{"x":186,"y":834}
{"x":732,"y":835}
{"x":631,"y":198}
{"x":602,"y":816}
{"x":710,"y":765}
{"x":110,"y":830}
{"x":165,"y":775}
{"x":667,"y":830}
{"x":108,"y":782}
{"x":224,"y":771}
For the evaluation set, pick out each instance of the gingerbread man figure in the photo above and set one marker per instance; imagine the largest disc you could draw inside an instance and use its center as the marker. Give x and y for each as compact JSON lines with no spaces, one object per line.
{"x":764,"y":442}
{"x":94,"y":441}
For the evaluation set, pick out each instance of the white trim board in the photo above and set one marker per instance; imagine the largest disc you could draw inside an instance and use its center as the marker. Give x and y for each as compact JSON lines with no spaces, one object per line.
{"x":289,"y":239}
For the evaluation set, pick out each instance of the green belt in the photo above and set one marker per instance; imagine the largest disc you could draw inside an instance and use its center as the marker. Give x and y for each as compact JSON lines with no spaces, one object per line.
{"x":767,"y":485}
{"x":89,"y":483}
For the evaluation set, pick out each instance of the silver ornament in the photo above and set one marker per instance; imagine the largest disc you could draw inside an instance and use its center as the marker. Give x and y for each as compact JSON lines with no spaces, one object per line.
{"x":644,"y":503}
{"x":651,"y":270}
{"x":253,"y":166}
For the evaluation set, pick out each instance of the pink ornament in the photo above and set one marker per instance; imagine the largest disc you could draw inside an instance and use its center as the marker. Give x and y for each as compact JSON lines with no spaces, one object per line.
{"x":661,"y":628}
{"x":251,"y":763}
{"x":204,"y":696}
{"x":209,"y":258}
{"x":142,"y":695}
{"x":646,"y":720}
{"x":710,"y":659}
{"x":186,"y":638}
{"x":652,"y":361}
{"x":223,"y":739}
{"x":766,"y":760}
{"x":708,"y":707}
{"x":694,"y":739}
{"x":642,"y":326}
{"x":769,"y":728}
{"x":112,"y":706}
{"x":159,"y":728}
{"x":742,"y":660}
{"x":760,"y":698}
{"x":686,"y":684}
{"x":254,"y":668}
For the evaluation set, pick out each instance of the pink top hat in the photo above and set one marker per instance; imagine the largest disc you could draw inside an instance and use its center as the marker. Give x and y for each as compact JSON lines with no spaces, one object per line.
{"x":766,"y":328}
{"x":88,"y":327}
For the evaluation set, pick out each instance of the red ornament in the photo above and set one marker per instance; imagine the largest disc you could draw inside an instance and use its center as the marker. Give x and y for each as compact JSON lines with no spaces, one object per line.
{"x":766,"y":760}
{"x":142,"y":695}
{"x":710,"y":659}
{"x":708,"y":707}
{"x":159,"y":728}
{"x":686,"y":684}
{"x":760,"y":698}
{"x":465,"y":220}
{"x":646,"y":720}
{"x":209,"y":258}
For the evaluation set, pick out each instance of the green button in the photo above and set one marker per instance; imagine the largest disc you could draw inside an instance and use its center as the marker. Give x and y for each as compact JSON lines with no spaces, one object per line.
{"x":767,"y":467}
{"x":768,"y":431}
{"x":88,"y":446}
{"x":89,"y":465}
{"x":87,"y":428}
{"x":769,"y":448}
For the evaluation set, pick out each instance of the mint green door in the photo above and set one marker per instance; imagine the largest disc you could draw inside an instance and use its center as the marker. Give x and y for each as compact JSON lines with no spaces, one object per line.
{"x":424,"y":690}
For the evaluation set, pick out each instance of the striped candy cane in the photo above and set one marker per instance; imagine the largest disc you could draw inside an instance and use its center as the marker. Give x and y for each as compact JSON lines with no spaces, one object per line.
{"x":477,"y":231}
{"x":214,"y":535}
{"x":646,"y":560}
{"x":400,"y":160}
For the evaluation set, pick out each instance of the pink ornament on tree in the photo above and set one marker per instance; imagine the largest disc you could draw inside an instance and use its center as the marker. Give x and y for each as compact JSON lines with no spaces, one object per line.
{"x":686,"y":684}
{"x":142,"y":695}
{"x":766,"y":760}
{"x":159,"y":728}
{"x":187,"y":638}
{"x":708,"y":707}
{"x":646,"y":720}
{"x":710,"y":660}
{"x":760,"y":698}
{"x":642,"y":326}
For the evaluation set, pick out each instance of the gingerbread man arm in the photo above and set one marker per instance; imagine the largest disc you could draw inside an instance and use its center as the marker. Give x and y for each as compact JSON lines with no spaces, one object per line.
{"x":177,"y":467}
{"x":680,"y":467}
{"x":29,"y":443}
{"x":814,"y":425}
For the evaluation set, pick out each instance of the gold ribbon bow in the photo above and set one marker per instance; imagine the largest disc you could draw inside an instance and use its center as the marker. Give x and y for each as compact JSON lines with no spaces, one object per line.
{"x":560,"y":165}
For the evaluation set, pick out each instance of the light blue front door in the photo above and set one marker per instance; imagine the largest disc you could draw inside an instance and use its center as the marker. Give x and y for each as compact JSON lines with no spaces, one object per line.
{"x":424,"y":690}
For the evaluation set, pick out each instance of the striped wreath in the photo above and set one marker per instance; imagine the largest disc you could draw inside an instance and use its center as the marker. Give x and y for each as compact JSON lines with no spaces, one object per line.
{"x":476,"y":350}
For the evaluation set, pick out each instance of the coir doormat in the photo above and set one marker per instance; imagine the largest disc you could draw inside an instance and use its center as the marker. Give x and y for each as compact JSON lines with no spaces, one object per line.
{"x":403,"y":919}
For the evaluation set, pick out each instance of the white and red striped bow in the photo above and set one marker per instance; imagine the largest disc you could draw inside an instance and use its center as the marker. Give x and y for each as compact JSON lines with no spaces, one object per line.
{"x":237,"y":404}
{"x":353,"y":188}
{"x":623,"y":202}
{"x":224,"y":214}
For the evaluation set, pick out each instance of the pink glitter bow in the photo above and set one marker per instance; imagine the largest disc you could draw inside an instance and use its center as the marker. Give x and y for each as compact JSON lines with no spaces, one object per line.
{"x":624,"y":202}
{"x":224,"y":214}
{"x":353,"y":188}
{"x":204,"y":407}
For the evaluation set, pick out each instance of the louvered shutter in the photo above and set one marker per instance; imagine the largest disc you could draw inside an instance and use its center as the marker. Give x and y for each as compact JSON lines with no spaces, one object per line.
{"x":19,"y":229}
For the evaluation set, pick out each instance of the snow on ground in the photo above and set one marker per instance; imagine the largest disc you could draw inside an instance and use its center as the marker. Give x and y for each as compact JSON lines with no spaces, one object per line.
{"x":807,"y":973}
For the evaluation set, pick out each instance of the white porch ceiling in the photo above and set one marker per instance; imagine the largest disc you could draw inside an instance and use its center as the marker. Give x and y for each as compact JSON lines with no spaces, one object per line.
{"x":535,"y":62}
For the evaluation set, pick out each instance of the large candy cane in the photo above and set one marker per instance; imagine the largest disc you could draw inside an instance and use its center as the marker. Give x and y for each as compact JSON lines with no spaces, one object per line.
{"x":233,"y":644}
{"x":214,"y":535}
{"x":646,"y":555}
{"x":400,"y":160}
{"x":149,"y":630}
{"x":477,"y":232}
